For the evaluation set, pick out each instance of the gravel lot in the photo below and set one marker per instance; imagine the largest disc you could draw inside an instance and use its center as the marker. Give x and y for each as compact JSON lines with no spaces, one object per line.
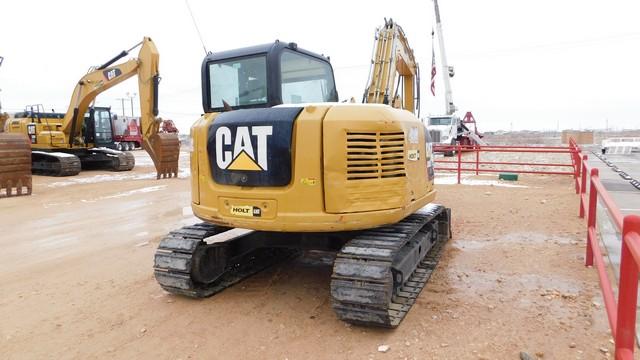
{"x":77,"y":282}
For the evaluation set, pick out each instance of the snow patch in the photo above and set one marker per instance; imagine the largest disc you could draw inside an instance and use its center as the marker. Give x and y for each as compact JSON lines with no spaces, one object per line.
{"x":133,"y":192}
{"x":183,"y":173}
{"x":466,"y":180}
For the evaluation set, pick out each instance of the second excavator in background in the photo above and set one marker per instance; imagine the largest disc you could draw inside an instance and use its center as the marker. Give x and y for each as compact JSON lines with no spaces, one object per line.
{"x":64,"y":143}
{"x":278,"y":165}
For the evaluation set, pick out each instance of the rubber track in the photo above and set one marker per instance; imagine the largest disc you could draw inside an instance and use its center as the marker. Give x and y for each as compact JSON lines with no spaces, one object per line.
{"x":69,"y":166}
{"x":64,"y":166}
{"x":125,"y":162}
{"x":362,"y":288}
{"x":173,"y":260}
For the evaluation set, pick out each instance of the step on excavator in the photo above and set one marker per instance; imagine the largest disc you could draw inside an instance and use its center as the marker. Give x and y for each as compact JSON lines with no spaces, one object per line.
{"x":61,"y":144}
{"x":279,"y":166}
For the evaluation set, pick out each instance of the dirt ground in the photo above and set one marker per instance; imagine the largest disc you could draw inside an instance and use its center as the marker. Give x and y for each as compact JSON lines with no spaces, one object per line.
{"x":76,"y":281}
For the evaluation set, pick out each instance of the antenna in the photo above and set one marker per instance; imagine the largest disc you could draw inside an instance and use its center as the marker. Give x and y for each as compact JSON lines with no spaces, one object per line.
{"x":196,"y":26}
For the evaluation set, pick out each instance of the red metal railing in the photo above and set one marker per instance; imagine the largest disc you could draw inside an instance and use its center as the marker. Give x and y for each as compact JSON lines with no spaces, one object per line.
{"x":622,"y":315}
{"x":468,"y":166}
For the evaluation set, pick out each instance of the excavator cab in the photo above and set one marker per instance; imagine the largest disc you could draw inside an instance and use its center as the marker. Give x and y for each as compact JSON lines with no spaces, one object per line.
{"x":265,"y":76}
{"x":98,"y":128}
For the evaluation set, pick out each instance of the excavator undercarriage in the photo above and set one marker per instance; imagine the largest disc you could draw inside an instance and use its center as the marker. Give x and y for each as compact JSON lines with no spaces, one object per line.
{"x":59,"y":163}
{"x":377,"y":274}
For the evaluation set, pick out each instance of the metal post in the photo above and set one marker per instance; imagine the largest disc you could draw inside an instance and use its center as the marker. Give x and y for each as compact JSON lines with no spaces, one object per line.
{"x":591,"y":219}
{"x":583,"y":184}
{"x":628,"y":288}
{"x":122,"y":100}
{"x":477,"y":158}
{"x":131,"y":96}
{"x":578,"y":169}
{"x":459,"y":161}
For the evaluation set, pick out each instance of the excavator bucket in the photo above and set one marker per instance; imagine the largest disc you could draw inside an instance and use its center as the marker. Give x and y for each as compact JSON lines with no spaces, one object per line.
{"x":164,"y":149}
{"x":15,"y":165}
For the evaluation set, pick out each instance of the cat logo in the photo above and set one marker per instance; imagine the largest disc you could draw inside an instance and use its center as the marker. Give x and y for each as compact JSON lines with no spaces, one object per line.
{"x":111,"y":74}
{"x":239,"y":154}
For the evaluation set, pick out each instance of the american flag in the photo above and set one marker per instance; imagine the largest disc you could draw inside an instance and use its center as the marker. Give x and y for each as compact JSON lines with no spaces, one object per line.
{"x":433,"y":67}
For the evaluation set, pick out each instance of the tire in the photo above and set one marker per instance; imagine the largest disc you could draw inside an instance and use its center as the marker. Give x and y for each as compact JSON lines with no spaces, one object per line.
{"x":452,"y":152}
{"x":127,"y":146}
{"x":119,"y":147}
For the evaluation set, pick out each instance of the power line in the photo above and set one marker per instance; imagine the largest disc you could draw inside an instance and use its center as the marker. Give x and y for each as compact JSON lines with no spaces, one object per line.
{"x":196,"y":26}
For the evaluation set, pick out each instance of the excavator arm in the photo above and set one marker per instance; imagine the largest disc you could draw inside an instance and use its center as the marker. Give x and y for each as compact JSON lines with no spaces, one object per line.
{"x":393,"y":58}
{"x":163,"y":148}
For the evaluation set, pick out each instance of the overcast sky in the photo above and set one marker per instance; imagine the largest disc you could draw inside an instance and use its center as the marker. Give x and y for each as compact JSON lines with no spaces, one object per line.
{"x":523,"y":64}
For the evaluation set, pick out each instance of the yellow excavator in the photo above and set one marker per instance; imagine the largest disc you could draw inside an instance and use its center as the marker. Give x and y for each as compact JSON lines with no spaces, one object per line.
{"x":279,"y":165}
{"x":64,"y":143}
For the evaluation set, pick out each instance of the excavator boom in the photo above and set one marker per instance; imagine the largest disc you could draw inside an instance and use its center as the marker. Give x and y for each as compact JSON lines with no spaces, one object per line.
{"x":164,"y":149}
{"x":393,"y":57}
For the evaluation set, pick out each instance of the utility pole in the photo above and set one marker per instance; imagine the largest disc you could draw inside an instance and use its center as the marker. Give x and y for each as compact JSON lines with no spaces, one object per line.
{"x":122,"y":99}
{"x":131,"y":96}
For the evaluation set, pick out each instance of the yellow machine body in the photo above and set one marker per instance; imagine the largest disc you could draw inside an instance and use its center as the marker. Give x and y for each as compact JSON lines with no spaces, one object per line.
{"x":46,"y":133}
{"x":354,"y":166}
{"x":277,"y":154}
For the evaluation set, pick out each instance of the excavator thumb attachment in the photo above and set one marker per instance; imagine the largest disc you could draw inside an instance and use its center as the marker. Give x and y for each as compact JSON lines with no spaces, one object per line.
{"x":164,"y":149}
{"x":15,"y":164}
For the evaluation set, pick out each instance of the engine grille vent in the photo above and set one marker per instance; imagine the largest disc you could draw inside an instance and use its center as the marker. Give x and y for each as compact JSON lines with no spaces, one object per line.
{"x":435,"y":136}
{"x":375,"y":155}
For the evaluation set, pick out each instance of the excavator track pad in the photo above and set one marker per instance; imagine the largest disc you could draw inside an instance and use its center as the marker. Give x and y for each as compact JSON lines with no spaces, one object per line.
{"x":164,"y":149}
{"x":185,"y":264}
{"x":124,"y":161}
{"x":15,"y":165}
{"x":378,"y":275}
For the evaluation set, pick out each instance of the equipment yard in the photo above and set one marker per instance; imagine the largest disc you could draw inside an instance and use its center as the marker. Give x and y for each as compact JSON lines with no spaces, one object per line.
{"x":77,"y":281}
{"x":296,"y":198}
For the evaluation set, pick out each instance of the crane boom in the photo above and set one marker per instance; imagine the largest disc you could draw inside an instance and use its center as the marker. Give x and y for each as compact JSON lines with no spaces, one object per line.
{"x":446,"y":72}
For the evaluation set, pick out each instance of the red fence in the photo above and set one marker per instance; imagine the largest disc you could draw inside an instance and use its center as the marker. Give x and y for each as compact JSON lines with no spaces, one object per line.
{"x":479,"y":166}
{"x":622,"y":315}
